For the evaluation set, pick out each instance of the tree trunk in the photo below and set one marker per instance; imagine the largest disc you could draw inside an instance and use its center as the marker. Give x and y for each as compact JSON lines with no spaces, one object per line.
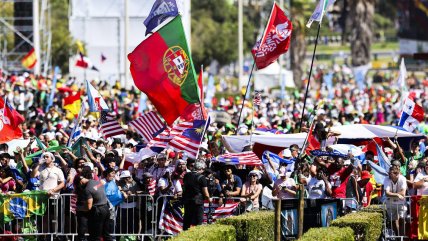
{"x":360,"y":24}
{"x":297,"y":53}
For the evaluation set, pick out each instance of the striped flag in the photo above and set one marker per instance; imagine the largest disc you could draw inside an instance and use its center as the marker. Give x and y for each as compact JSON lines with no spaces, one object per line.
{"x":216,"y":211}
{"x":243,"y":158}
{"x":73,"y":202}
{"x":110,"y":126}
{"x":148,"y":126}
{"x":190,"y":139}
{"x":77,"y":129}
{"x":162,"y":140}
{"x":95,"y":100}
{"x":257,"y":98}
{"x":171,"y":219}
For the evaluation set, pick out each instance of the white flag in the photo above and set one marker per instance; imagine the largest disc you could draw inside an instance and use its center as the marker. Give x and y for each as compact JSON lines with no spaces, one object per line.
{"x":319,"y":11}
{"x":402,"y":76}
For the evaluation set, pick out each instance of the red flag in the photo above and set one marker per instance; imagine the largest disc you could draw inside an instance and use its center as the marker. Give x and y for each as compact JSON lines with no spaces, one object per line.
{"x":313,"y":143}
{"x":11,"y":116}
{"x":201,"y":86}
{"x":7,"y":131}
{"x":275,"y":40}
{"x":162,"y":68}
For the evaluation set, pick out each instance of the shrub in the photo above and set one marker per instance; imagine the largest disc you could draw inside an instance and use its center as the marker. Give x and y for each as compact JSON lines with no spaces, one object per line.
{"x":374,"y":209}
{"x":252,"y":226}
{"x":367,"y":226}
{"x":212,"y":232}
{"x":329,"y":234}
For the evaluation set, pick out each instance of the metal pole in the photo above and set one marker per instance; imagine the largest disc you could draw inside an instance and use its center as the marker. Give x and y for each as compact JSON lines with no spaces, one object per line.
{"x":240,"y":42}
{"x":277,"y":226}
{"x":309,"y":79}
{"x":125,"y":57}
{"x":301,"y":209}
{"x":245,"y":95}
{"x":36,"y":36}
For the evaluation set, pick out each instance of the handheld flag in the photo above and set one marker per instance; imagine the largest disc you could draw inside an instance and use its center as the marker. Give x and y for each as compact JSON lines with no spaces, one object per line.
{"x":148,"y":125}
{"x":110,"y":126}
{"x":243,"y":158}
{"x":191,"y":138}
{"x":80,"y":47}
{"x":7,"y":131}
{"x":84,"y":62}
{"x":77,"y":129}
{"x":54,"y":80}
{"x":29,"y":60}
{"x":72,"y":103}
{"x":161,"y":10}
{"x":96,"y":101}
{"x":319,"y":11}
{"x":275,"y":40}
{"x":162,"y":68}
{"x":411,"y":115}
{"x":11,"y":116}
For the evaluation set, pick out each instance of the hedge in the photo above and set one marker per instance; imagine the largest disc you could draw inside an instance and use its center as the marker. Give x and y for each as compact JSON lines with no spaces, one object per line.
{"x":211,"y":232}
{"x":367,"y":226}
{"x":252,"y":226}
{"x":374,"y":209}
{"x":329,"y":234}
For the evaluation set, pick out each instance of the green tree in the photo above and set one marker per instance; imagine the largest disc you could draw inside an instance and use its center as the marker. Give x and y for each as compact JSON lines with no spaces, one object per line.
{"x":62,"y":42}
{"x":215,"y":32}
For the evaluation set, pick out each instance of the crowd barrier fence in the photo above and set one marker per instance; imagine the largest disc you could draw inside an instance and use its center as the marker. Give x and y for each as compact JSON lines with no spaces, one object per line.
{"x":139,"y":216}
{"x":398,"y":218}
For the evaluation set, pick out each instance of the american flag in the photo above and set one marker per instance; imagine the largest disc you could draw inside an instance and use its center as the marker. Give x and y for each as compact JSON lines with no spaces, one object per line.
{"x":73,"y":202}
{"x":152,"y":187}
{"x":227,"y":209}
{"x":148,"y":125}
{"x":190,"y":139}
{"x":257,"y":98}
{"x":243,"y":158}
{"x":110,"y":126}
{"x":162,"y":140}
{"x":171,"y":219}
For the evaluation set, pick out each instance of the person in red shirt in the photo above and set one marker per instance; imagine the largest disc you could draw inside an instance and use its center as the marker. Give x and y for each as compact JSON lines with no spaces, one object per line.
{"x":366,"y":188}
{"x":339,"y":177}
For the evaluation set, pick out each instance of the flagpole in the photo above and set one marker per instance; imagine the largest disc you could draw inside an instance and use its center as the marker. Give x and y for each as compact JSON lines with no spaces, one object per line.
{"x":309,"y":79}
{"x":245,"y":95}
{"x":252,"y":125}
{"x":201,"y":102}
{"x":305,"y":142}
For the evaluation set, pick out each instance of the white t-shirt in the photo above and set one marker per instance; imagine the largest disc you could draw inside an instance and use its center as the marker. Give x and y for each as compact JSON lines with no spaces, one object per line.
{"x":289,"y":183}
{"x":424,"y":189}
{"x":175,"y":187}
{"x":397,"y":187}
{"x":50,"y":177}
{"x":317,"y":188}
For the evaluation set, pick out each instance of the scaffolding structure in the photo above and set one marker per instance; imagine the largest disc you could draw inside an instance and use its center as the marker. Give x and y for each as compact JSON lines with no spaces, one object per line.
{"x":13,"y":37}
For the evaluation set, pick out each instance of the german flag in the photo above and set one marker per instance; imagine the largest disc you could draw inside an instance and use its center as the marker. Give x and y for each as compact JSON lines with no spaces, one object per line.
{"x":29,"y":60}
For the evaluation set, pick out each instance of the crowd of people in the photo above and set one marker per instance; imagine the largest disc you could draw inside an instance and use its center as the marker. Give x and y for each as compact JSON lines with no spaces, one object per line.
{"x":102,"y":162}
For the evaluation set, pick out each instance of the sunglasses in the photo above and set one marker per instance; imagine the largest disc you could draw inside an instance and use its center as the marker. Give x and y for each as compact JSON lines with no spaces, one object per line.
{"x":253,"y":175}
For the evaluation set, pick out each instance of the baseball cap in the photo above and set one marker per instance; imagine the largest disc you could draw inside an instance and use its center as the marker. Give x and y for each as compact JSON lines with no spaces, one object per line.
{"x":125,"y":174}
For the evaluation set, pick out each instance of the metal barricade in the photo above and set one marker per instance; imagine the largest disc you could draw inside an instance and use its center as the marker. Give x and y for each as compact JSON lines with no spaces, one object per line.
{"x":349,"y":205}
{"x":133,"y":217}
{"x":397,"y":218}
{"x":30,"y":215}
{"x":219,"y":208}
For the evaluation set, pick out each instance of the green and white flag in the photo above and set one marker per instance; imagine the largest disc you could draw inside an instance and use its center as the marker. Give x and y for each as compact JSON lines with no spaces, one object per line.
{"x":319,"y":11}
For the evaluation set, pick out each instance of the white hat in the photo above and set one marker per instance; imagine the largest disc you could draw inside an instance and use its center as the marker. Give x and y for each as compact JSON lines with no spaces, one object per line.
{"x":321,"y":112}
{"x":287,"y":154}
{"x":90,"y":165}
{"x":255,"y":172}
{"x":347,"y":162}
{"x":125,"y":174}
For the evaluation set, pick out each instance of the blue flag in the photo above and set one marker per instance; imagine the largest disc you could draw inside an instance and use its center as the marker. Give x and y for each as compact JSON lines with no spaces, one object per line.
{"x":382,"y":158}
{"x":54,"y":80}
{"x":379,"y":173}
{"x":161,"y":10}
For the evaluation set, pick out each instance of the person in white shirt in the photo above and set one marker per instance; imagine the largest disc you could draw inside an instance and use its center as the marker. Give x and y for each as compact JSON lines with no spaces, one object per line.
{"x":421,"y":181}
{"x":395,"y":189}
{"x":319,"y":187}
{"x":284,"y":187}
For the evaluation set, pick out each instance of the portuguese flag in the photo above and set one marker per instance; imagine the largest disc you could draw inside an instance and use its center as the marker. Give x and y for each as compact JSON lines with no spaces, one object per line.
{"x":162,"y":68}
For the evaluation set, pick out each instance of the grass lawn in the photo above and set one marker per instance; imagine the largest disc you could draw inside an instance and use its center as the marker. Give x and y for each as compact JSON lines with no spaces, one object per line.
{"x":331,"y":49}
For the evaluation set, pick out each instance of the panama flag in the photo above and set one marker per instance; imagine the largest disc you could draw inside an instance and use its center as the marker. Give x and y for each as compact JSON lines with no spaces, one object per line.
{"x":411,"y":115}
{"x":96,"y":101}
